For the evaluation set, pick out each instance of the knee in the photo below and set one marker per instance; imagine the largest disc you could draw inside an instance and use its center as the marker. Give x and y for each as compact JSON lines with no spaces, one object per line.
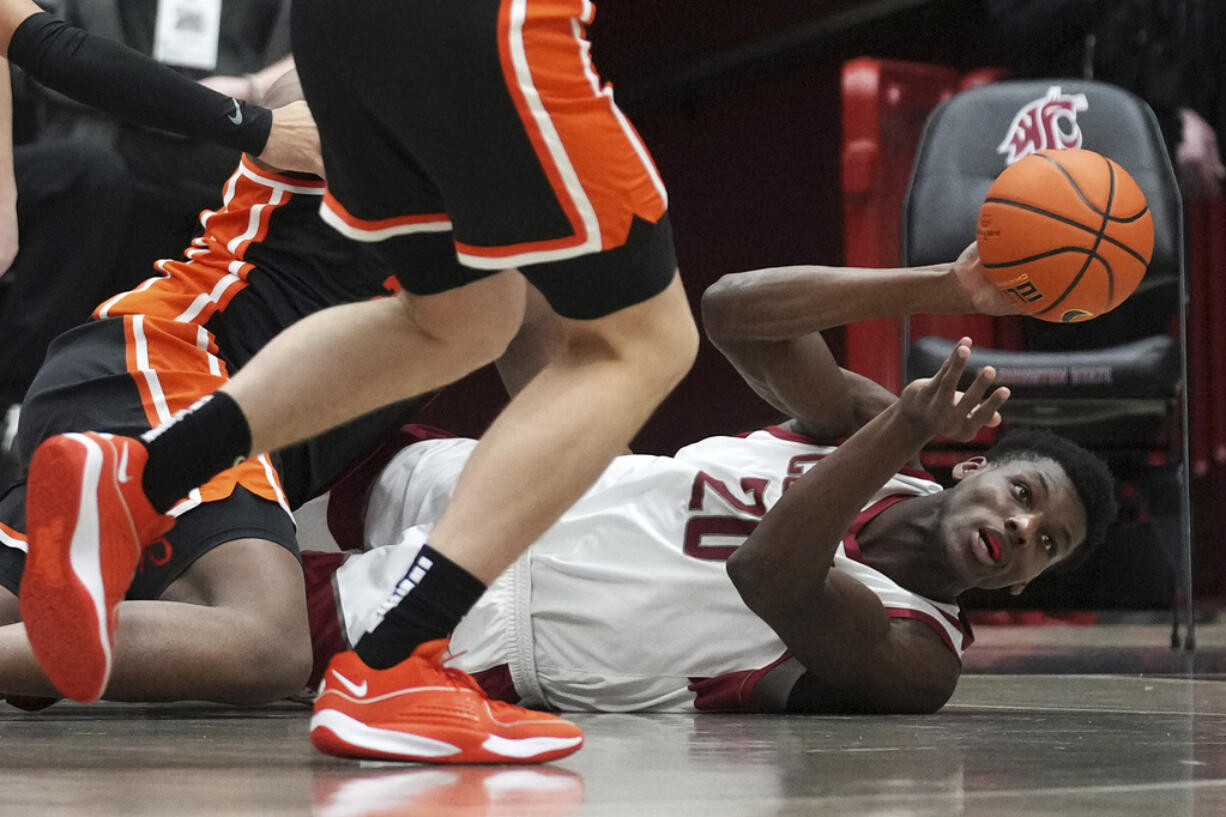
{"x":657,"y":338}
{"x":669,"y":351}
{"x":676,"y":340}
{"x":295,"y":672}
{"x":474,"y":323}
{"x":267,"y":658}
{"x":273,"y":666}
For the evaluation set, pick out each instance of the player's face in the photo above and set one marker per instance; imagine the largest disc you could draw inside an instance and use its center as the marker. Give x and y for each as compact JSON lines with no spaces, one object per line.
{"x":1006,"y":523}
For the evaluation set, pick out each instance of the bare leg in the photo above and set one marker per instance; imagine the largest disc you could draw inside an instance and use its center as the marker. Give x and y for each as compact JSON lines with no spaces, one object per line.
{"x":8,"y":608}
{"x":563,"y":428}
{"x":367,"y":355}
{"x":233,"y":629}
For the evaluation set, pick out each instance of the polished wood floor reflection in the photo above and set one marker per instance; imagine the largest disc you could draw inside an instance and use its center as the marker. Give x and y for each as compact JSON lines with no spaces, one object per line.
{"x":1070,"y":741}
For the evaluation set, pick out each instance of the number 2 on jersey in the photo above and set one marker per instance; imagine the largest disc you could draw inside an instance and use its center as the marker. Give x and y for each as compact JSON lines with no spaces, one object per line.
{"x":754,"y":506}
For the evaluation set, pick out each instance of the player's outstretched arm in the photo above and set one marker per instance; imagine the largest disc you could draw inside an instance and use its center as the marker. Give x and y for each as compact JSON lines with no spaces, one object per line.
{"x":768,"y":324}
{"x":836,"y":629}
{"x":119,"y":80}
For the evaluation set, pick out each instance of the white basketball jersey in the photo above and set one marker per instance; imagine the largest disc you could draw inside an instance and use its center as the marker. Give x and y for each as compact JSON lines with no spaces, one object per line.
{"x":624,"y":604}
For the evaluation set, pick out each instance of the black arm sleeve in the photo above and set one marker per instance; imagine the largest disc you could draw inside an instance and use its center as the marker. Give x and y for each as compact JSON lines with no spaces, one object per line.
{"x":118,"y":80}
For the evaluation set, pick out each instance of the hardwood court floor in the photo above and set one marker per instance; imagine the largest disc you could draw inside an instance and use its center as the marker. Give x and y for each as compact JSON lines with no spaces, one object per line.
{"x":1008,"y":744}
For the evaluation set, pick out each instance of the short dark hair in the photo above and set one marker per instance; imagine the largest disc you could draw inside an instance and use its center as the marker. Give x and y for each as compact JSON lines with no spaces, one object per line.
{"x":1090,"y":477}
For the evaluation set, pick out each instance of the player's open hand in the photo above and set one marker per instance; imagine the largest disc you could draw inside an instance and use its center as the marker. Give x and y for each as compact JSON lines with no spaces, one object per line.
{"x":935,"y":404}
{"x":983,"y":295}
{"x":293,"y":142}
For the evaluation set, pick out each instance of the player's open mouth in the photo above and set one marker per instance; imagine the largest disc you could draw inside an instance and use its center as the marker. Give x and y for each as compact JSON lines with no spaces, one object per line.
{"x":991,"y":546}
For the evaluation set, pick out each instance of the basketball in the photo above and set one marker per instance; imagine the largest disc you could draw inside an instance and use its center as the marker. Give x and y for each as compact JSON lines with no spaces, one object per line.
{"x":1066,"y":233}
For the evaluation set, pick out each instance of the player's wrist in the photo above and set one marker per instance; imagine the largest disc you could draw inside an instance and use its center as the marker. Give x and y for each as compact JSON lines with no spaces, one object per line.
{"x":256,"y":88}
{"x":937,"y":290}
{"x":899,"y":432}
{"x":949,"y":290}
{"x":911,"y":430}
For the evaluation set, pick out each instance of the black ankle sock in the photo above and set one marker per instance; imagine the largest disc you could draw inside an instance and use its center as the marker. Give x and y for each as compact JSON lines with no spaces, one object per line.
{"x":194,"y":447}
{"x":428,"y":603}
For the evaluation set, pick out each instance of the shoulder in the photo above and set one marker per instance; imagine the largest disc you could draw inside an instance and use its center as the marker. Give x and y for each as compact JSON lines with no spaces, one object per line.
{"x":808,"y":432}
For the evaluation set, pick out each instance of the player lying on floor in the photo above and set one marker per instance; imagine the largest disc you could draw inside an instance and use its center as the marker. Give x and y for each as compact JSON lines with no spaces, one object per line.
{"x":761,"y":572}
{"x":783,"y":322}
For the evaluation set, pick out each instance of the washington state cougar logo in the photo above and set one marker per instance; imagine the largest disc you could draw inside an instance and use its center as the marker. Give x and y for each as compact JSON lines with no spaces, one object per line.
{"x":1048,"y":122}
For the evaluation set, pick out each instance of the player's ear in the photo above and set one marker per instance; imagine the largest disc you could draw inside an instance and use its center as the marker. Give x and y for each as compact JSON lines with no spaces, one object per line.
{"x":968,"y":467}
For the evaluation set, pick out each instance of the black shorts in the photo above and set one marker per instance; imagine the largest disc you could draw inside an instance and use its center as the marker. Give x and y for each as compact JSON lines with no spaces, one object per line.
{"x":470,"y":136}
{"x":86,"y":383}
{"x":241,"y":515}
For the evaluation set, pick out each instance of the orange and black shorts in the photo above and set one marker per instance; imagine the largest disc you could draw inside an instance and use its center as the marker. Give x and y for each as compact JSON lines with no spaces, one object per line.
{"x":127,"y":374}
{"x":465,"y":137}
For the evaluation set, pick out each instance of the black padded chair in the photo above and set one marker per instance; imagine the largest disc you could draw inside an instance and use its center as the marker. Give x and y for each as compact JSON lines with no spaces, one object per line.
{"x":1114,"y":383}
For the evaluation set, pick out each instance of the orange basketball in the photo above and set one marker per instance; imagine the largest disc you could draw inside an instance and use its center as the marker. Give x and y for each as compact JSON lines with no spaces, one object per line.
{"x":1067,"y":233}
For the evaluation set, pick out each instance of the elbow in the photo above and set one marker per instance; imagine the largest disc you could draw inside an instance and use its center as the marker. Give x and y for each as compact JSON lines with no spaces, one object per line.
{"x":735,"y":568}
{"x":747,"y":576}
{"x":738,"y":568}
{"x":772,"y":585}
{"x":925,"y":698}
{"x":900,"y":699}
{"x":719,"y":308}
{"x":925,"y":702}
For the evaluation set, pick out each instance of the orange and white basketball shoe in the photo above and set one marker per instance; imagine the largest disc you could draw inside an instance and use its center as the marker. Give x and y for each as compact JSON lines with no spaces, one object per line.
{"x":421,"y":710}
{"x":86,"y":518}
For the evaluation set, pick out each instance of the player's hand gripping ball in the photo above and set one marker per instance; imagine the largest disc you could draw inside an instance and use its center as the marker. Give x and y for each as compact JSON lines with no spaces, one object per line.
{"x":1066,"y":233}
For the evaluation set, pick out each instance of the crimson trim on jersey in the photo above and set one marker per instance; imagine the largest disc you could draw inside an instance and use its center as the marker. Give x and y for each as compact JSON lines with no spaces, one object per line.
{"x":786,"y":434}
{"x":968,"y":633}
{"x":799,"y":437}
{"x":962,"y":624}
{"x":323,"y":617}
{"x":919,"y":615}
{"x":918,"y":473}
{"x":730,"y":691}
{"x":497,"y":683}
{"x":850,"y":546}
{"x":346,"y":514}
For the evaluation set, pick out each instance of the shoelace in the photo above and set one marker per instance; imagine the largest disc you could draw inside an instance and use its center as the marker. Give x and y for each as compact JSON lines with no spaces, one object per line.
{"x":458,"y":677}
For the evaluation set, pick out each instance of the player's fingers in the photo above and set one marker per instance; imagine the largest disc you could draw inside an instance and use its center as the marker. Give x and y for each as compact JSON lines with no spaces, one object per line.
{"x":946,"y":378}
{"x":987,"y":412}
{"x":983,"y":414}
{"x":978,"y":388}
